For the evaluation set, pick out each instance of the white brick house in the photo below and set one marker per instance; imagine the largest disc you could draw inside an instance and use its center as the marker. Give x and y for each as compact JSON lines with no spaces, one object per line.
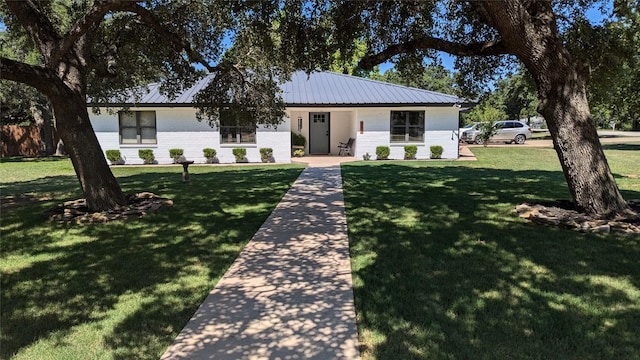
{"x":327,"y":108}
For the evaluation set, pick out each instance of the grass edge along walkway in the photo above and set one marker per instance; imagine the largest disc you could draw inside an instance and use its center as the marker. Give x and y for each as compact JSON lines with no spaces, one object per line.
{"x":289,"y":293}
{"x":444,"y":269}
{"x":122,"y":290}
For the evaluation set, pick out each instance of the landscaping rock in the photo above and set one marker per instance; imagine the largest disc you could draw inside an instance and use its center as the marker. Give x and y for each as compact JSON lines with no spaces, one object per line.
{"x":562,"y":214}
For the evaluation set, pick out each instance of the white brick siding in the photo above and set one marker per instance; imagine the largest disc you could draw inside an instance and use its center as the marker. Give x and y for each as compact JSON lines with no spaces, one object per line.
{"x":178,"y":128}
{"x":440,"y":127}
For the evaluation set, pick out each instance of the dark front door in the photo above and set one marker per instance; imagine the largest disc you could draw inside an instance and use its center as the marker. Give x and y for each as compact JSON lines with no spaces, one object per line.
{"x":318,"y":133}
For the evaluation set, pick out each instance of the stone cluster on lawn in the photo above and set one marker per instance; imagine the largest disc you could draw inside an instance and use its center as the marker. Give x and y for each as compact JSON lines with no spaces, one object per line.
{"x":570,"y":219}
{"x":139,"y":204}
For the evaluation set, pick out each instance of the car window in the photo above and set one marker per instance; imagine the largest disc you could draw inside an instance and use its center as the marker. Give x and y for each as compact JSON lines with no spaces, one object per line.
{"x":519,"y":124}
{"x":508,"y":125}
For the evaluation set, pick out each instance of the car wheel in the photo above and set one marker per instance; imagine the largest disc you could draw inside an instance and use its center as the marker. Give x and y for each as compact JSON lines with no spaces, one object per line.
{"x":520,"y":139}
{"x":479,"y":141}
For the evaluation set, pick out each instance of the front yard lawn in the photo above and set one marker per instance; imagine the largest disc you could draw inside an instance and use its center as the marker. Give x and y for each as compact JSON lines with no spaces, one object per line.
{"x":444,"y":269}
{"x":121,"y":290}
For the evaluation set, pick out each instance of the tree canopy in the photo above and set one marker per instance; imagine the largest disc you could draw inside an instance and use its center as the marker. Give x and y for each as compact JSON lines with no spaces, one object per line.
{"x":432,"y":77}
{"x":614,"y":90}
{"x":96,"y":49}
{"x":546,"y":37}
{"x":103,"y":50}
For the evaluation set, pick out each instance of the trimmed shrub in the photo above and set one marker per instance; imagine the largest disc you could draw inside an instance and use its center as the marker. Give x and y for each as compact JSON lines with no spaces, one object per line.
{"x":382,"y":152}
{"x":298,"y":139}
{"x":209,"y":153}
{"x":410,"y":152}
{"x":436,"y":151}
{"x":240,"y":154}
{"x":115,"y":157}
{"x":175,"y":154}
{"x":266,"y":154}
{"x":298,"y":153}
{"x":147,"y":156}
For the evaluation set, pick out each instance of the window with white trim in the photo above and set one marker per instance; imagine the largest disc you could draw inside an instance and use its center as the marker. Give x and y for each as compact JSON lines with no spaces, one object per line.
{"x":137,"y":127}
{"x":407,"y":126}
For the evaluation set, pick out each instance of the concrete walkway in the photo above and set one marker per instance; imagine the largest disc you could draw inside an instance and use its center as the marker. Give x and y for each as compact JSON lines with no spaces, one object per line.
{"x":289,"y":294}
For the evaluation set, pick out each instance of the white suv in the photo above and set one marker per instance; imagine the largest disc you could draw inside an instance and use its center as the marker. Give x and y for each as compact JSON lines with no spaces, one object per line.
{"x":508,"y":131}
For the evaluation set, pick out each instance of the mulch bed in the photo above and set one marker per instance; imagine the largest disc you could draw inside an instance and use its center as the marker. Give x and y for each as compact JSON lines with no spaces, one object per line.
{"x":562,"y":214}
{"x":139,"y":204}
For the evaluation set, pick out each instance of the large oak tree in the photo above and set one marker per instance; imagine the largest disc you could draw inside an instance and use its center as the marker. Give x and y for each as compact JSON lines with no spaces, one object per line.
{"x":100,"y":46}
{"x":485,"y":34}
{"x":97,"y":49}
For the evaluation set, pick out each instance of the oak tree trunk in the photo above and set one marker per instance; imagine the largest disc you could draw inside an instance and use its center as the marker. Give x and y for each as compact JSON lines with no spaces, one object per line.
{"x":528,"y":30}
{"x":563,"y":102}
{"x":66,"y":62}
{"x":99,"y":185}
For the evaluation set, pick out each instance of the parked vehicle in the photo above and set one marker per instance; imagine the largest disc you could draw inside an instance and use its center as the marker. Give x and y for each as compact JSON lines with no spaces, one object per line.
{"x":508,"y":131}
{"x":468,"y":133}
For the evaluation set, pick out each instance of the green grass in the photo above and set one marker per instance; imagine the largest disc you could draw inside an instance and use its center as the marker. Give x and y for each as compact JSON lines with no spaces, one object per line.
{"x":444,"y":269}
{"x":121,"y":290}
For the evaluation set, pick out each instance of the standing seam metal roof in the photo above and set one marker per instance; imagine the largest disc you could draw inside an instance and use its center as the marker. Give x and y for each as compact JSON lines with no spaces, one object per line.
{"x":326,"y":88}
{"x":323,"y":89}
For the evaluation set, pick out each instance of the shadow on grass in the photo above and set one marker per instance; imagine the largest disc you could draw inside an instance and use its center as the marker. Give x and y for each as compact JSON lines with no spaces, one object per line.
{"x":137,"y":282}
{"x":41,"y":185}
{"x":443,"y":269}
{"x":33,"y":159}
{"x":625,"y":147}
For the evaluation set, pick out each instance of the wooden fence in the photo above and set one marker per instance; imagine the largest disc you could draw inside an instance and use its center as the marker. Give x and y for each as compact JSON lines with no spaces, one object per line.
{"x":20,"y":141}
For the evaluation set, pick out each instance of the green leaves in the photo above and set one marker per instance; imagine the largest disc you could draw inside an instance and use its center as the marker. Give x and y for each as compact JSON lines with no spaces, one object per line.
{"x":486,"y":113}
{"x":486,"y":132}
{"x":433,"y":78}
{"x":614,"y":92}
{"x":242,"y":96}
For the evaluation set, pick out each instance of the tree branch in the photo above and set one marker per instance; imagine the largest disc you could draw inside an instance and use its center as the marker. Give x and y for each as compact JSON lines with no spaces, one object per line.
{"x":91,"y":20}
{"x":35,"y":76}
{"x":36,"y":24}
{"x":178,"y":42}
{"x":431,"y":43}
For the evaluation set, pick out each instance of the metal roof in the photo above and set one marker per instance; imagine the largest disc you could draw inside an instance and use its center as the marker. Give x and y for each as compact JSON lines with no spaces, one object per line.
{"x":321,"y":89}
{"x":327,"y":88}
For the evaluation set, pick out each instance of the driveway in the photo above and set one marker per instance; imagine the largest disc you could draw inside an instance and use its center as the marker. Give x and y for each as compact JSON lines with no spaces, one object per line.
{"x":606,"y":137}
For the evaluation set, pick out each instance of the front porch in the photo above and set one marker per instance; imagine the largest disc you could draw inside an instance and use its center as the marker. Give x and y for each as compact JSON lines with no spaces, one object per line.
{"x":324,"y":129}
